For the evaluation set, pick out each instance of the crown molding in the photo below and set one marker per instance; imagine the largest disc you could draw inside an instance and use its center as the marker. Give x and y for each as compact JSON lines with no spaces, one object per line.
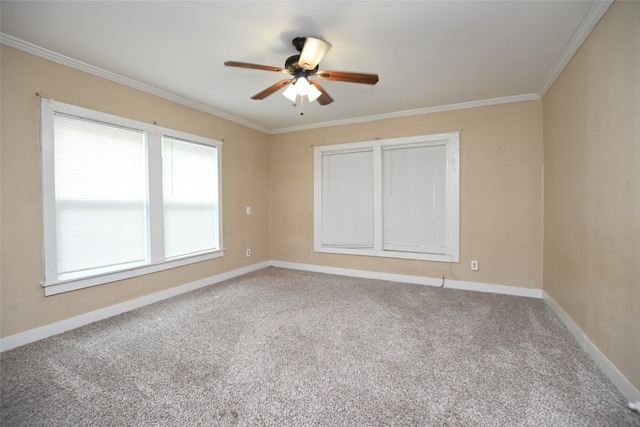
{"x":588,"y":24}
{"x":416,"y":112}
{"x":41,"y":52}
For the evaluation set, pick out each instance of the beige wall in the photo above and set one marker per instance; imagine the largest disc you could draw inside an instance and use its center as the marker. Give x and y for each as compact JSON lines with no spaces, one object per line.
{"x":592,"y":188}
{"x":245,"y":182}
{"x":501,"y":174}
{"x":501,"y":193}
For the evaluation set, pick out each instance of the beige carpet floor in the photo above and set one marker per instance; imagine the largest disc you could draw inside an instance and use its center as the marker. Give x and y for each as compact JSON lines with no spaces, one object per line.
{"x":288,"y":348}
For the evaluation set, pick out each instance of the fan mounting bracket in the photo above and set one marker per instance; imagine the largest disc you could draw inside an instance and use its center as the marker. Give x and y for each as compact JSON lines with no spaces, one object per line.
{"x":298,"y":43}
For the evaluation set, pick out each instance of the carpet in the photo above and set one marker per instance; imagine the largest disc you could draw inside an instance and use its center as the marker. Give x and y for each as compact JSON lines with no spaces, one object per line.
{"x":281,"y":347}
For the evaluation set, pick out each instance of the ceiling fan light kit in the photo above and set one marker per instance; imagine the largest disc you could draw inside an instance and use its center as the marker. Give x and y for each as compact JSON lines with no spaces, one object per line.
{"x":302,"y":67}
{"x":290,"y":93}
{"x":301,"y":87}
{"x":312,"y":52}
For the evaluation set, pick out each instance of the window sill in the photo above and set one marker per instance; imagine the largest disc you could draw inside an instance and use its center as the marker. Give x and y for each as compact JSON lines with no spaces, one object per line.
{"x":390,"y":254}
{"x":60,"y":286}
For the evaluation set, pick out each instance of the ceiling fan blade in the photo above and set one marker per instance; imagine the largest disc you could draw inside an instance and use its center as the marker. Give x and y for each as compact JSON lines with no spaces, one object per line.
{"x":340,"y":76}
{"x":323,"y":99}
{"x":271,"y":89}
{"x":313,"y":52}
{"x":255,"y":66}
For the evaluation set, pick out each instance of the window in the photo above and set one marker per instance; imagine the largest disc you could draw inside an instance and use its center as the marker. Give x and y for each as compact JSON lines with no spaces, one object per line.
{"x":190,"y":199}
{"x":123,"y":198}
{"x":395,"y":198}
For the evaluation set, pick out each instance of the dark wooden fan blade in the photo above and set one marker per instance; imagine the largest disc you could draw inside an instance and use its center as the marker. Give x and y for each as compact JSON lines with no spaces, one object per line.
{"x":255,"y":66}
{"x":271,"y":89}
{"x":323,"y":99}
{"x":341,"y":76}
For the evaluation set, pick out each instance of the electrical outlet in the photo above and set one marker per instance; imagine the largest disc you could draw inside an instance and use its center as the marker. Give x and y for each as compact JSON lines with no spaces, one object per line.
{"x":474,"y":265}
{"x":248,"y":210}
{"x":248,"y":252}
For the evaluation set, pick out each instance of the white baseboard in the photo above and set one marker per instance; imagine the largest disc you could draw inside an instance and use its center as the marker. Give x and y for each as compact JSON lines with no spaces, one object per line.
{"x":418,"y":280}
{"x":32,"y":335}
{"x":617,"y":378}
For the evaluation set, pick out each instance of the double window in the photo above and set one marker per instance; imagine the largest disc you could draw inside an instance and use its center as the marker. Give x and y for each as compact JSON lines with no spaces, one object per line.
{"x":123,"y":198}
{"x":394,"y":198}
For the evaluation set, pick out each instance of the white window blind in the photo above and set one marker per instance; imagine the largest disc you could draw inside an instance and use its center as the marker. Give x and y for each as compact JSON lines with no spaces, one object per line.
{"x":414,"y":199}
{"x":100,"y":196}
{"x":347,"y":195}
{"x":396,"y":198}
{"x":190,"y":197}
{"x":122,"y":198}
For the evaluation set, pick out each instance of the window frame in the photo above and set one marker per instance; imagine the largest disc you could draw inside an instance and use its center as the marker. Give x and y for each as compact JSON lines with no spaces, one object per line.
{"x":51,"y":281}
{"x":451,"y":140}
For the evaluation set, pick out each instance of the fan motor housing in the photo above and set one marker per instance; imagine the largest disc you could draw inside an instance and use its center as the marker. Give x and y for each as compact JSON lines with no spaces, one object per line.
{"x":291,"y":64}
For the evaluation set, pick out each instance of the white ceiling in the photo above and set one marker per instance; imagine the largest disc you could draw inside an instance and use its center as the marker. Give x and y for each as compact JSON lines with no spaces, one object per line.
{"x":429,"y":55}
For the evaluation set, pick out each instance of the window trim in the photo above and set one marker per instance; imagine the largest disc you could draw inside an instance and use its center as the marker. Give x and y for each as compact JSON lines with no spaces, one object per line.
{"x":451,"y":140}
{"x":50,"y":281}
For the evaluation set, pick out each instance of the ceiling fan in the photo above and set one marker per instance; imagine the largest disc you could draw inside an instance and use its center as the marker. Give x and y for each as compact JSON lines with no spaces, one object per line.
{"x":302,"y":67}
